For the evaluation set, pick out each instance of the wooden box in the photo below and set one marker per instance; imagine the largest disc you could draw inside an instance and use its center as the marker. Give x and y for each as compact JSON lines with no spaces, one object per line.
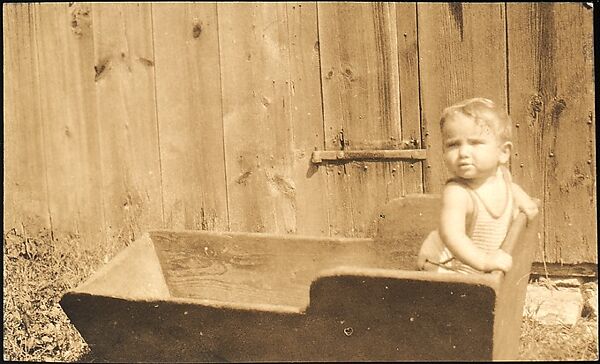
{"x":180,"y":296}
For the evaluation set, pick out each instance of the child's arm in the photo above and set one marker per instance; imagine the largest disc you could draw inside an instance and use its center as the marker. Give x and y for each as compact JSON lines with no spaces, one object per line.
{"x":524,"y":202}
{"x":455,"y":207}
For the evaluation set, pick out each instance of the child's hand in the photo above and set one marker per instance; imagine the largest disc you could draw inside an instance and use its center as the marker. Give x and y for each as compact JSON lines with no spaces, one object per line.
{"x":524,"y":202}
{"x":530,"y":208}
{"x":499,"y":259}
{"x":431,"y":250}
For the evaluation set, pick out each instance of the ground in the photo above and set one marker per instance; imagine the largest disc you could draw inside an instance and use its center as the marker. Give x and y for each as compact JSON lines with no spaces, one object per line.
{"x":39,"y":268}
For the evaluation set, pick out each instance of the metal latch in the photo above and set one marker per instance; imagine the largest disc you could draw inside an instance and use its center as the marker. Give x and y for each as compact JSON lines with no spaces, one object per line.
{"x":320,"y":156}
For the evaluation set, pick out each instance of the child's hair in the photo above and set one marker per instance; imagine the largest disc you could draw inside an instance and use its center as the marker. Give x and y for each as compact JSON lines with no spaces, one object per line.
{"x":482,"y":110}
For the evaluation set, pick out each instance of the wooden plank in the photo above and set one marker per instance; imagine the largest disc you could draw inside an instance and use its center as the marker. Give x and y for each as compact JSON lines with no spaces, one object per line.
{"x":134,"y":273}
{"x":25,"y":190}
{"x":410,"y":106}
{"x":255,"y":68}
{"x":462,"y":50}
{"x":359,"y":67}
{"x":521,"y":242}
{"x":588,"y":270}
{"x":307,"y":118}
{"x":238,"y":267}
{"x":552,"y":101}
{"x":412,"y":216}
{"x":70,"y":124}
{"x":190,"y":116}
{"x":526,"y":103}
{"x":124,"y":80}
{"x":244,"y":268}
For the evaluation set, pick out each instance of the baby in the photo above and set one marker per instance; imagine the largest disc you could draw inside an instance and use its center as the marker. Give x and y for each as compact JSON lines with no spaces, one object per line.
{"x":480,"y":200}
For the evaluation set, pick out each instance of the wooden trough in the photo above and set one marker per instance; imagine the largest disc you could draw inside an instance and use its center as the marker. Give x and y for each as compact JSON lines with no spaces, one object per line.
{"x":194,"y":296}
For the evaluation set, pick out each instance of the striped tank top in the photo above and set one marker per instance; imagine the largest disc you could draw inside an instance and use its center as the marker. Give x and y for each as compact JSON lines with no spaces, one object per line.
{"x":486,"y":229}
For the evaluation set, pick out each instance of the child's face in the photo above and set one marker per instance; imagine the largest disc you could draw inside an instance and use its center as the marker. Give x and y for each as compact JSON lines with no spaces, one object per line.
{"x":471,"y":150}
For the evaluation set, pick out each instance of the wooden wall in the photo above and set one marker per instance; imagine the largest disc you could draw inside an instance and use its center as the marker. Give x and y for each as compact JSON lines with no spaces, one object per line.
{"x":121,"y":118}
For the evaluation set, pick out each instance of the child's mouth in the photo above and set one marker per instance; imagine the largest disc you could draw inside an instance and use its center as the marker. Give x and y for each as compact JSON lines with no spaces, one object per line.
{"x":465,"y":167}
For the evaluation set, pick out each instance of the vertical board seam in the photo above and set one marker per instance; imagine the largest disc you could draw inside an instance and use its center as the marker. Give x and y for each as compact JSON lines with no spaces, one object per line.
{"x":80,"y":125}
{"x":33,"y":8}
{"x":223,"y":119}
{"x":321,"y":76}
{"x":289,"y":69}
{"x":420,"y":102}
{"x":327,"y":181}
{"x":542,"y":30}
{"x":99,"y":136}
{"x":506,"y":58}
{"x":290,"y":118}
{"x":401,"y":165}
{"x":162,"y":194}
{"x":507,"y":88}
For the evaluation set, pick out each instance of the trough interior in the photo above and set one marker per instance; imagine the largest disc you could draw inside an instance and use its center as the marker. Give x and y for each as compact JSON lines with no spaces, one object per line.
{"x":257,"y":268}
{"x":265,"y":269}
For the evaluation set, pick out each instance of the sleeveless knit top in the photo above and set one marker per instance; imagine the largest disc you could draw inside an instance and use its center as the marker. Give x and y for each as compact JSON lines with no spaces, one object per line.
{"x":486,"y":230}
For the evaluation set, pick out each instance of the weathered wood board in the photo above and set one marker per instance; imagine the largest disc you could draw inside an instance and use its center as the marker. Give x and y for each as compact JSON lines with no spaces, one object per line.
{"x":410,"y":105}
{"x":457,"y":62}
{"x":70,"y":121}
{"x":189,"y":112}
{"x":240,"y":267}
{"x":209,"y":296}
{"x":125,"y":92}
{"x":551,"y":67}
{"x":361,"y":109}
{"x":306,"y":114}
{"x":25,"y":188}
{"x":126,"y":117}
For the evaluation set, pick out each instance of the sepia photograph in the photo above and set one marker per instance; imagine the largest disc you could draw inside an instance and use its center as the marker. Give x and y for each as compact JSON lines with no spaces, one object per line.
{"x":299,"y":182}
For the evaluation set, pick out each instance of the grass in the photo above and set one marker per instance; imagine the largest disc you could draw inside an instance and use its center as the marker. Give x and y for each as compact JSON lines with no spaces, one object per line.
{"x":559,"y":342}
{"x":39,"y":269}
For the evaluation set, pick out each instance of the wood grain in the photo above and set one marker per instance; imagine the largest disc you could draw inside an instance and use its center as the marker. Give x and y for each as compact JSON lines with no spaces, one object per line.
{"x":552,"y":102}
{"x":188,"y":84}
{"x":255,"y":66}
{"x":238,"y":267}
{"x":359,"y":71}
{"x":85,"y":167}
{"x":521,"y":243}
{"x":124,"y":81}
{"x":25,"y":190}
{"x":253,"y":268}
{"x":134,"y":273}
{"x":69,"y":116}
{"x":306,"y":119}
{"x":457,"y":62}
{"x":410,"y":105}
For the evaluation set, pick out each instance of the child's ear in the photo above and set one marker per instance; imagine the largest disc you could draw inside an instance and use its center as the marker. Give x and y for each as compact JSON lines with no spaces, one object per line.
{"x":505,"y":151}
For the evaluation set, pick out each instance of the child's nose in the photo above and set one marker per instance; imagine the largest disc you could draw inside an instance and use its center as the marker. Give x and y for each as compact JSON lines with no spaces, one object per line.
{"x":463,"y":150}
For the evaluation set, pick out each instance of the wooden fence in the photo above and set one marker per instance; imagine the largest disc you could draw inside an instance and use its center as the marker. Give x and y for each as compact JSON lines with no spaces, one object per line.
{"x":121,"y":118}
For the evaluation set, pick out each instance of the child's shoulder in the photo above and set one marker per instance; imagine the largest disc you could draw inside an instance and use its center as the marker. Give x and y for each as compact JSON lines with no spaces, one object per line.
{"x":455,"y":190}
{"x":453,"y":184}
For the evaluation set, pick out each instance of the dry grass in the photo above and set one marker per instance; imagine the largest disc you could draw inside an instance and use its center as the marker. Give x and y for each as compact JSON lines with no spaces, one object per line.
{"x":38,"y":270}
{"x":559,"y":342}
